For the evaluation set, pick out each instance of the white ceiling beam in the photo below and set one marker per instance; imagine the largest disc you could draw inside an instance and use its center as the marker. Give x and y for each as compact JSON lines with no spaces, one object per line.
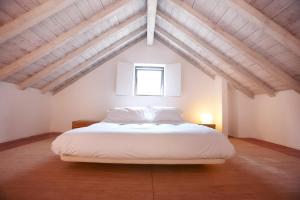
{"x":94,"y":59}
{"x":164,"y":35}
{"x":151,"y":15}
{"x":259,"y":59}
{"x":96,"y":65}
{"x":225,"y":59}
{"x":272,"y":28}
{"x":59,"y":41}
{"x":201,"y":60}
{"x":180,"y":52}
{"x":74,"y":54}
{"x":31,"y":18}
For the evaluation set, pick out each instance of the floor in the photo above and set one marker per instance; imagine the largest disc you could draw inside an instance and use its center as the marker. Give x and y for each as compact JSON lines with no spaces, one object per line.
{"x":32,"y":172}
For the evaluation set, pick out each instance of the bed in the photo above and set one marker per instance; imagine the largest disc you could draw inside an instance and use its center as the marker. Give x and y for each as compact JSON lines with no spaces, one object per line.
{"x":166,"y":142}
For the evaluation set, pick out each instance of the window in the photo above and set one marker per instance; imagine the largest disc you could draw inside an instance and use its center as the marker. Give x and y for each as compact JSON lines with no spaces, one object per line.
{"x":149,"y":81}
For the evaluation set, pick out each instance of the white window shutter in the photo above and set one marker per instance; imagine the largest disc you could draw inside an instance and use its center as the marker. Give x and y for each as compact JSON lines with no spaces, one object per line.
{"x":125,"y":79}
{"x":173,"y":80}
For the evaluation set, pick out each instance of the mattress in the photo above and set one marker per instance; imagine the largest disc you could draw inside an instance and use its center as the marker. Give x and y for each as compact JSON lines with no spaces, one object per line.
{"x":112,"y":141}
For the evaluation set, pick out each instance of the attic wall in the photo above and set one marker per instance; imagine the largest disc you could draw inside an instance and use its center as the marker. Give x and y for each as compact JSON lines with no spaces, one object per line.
{"x":23,"y":113}
{"x":91,"y":96}
{"x":274,"y":119}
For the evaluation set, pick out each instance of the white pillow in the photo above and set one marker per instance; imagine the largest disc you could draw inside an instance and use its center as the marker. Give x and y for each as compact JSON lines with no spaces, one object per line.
{"x":166,"y":115}
{"x":127,"y":115}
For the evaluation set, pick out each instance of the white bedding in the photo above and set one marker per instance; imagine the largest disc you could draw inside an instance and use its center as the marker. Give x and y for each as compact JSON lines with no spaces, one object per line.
{"x":144,"y":141}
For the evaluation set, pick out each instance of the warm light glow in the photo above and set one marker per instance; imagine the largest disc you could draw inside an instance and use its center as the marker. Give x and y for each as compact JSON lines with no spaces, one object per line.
{"x":206,"y":118}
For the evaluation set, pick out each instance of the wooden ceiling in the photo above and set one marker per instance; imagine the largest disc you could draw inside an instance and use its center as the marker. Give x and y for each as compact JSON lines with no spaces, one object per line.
{"x":253,"y":44}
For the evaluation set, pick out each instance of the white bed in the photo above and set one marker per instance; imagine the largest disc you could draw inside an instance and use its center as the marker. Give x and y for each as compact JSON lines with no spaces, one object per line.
{"x":146,"y":143}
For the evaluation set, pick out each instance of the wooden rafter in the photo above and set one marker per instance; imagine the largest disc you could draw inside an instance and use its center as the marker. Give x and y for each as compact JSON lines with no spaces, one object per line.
{"x":225,"y":59}
{"x":263,"y":62}
{"x":74,"y":54}
{"x":31,"y":18}
{"x":96,"y":58}
{"x":181,"y":53}
{"x":180,"y":45}
{"x":59,"y":41}
{"x":279,"y":33}
{"x":96,"y":65}
{"x":151,"y":15}
{"x":201,"y":60}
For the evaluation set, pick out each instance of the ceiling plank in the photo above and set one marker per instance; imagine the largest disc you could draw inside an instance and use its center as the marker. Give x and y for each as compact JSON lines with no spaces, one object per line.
{"x":201,"y":60}
{"x":96,"y":65}
{"x":151,"y":15}
{"x":263,"y":62}
{"x":59,"y":41}
{"x":272,"y":28}
{"x":99,"y":56}
{"x":164,"y":35}
{"x":74,"y":54}
{"x":179,"y":52}
{"x":225,"y":59}
{"x":31,"y":18}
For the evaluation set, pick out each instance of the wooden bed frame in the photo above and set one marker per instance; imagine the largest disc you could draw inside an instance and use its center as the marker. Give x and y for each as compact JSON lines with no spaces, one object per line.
{"x":69,"y":158}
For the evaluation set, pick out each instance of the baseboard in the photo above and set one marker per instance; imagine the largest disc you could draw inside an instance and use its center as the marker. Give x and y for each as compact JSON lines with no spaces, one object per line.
{"x":276,"y":147}
{"x":27,"y":140}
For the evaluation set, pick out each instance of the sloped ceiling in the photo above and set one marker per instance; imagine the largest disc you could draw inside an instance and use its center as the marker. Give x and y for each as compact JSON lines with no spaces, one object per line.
{"x":254,"y":45}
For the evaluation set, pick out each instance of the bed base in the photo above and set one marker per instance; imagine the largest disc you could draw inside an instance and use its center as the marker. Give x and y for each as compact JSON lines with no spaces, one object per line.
{"x":69,"y":158}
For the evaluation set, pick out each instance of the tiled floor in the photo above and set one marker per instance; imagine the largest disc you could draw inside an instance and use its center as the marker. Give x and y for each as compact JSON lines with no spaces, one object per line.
{"x":32,"y":171}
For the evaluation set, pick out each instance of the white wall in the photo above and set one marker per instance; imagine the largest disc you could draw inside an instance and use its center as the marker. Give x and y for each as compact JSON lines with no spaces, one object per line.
{"x":241,"y":114}
{"x":91,"y":96}
{"x":22,"y":112}
{"x":274,"y":119}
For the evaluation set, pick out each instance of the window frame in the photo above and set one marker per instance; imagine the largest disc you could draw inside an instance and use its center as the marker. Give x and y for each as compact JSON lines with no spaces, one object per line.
{"x":149,"y":68}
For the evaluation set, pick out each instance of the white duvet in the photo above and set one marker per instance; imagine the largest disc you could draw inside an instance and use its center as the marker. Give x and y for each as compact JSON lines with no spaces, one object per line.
{"x":144,"y":141}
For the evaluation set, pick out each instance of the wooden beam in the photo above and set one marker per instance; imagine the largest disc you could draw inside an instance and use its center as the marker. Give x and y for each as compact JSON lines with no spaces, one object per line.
{"x":59,"y":41}
{"x":96,"y":65}
{"x":99,"y":56}
{"x":74,"y":54}
{"x":164,"y":35}
{"x":201,"y":60}
{"x":181,"y":53}
{"x":263,"y":62}
{"x":151,"y":15}
{"x":31,"y":18}
{"x":225,"y":59}
{"x":195,"y":61}
{"x":272,"y":28}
